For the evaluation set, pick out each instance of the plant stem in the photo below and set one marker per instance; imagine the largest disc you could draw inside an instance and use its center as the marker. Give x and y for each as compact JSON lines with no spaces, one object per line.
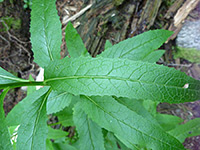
{"x":15,"y":85}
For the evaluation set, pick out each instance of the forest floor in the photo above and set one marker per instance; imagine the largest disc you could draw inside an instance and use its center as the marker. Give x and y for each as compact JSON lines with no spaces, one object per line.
{"x":16,"y":57}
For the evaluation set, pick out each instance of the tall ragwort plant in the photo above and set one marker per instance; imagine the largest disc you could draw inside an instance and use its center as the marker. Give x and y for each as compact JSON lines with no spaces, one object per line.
{"x":110,"y":99}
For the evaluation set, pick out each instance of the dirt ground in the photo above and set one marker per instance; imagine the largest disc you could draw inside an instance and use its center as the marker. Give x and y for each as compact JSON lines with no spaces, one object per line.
{"x":16,"y":57}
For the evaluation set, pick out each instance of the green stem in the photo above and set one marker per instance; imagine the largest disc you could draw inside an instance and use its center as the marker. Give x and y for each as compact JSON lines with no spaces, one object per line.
{"x":15,"y":85}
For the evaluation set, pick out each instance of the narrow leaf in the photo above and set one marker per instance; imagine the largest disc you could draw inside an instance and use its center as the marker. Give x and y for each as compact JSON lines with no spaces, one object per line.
{"x":108,"y":44}
{"x":90,"y":134}
{"x":65,"y":116}
{"x":49,"y":145}
{"x":5,"y":143}
{"x":45,"y":28}
{"x":63,"y":146}
{"x":122,"y":78}
{"x":56,"y":133}
{"x":168,"y":122}
{"x":191,"y":128}
{"x":75,"y":45}
{"x":137,"y":107}
{"x":112,"y":143}
{"x":7,"y":79}
{"x":153,"y":56}
{"x":57,"y":101}
{"x":33,"y":130}
{"x":116,"y":118}
{"x":138,"y":47}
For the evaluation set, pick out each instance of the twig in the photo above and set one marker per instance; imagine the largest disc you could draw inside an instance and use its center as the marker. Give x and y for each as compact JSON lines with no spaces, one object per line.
{"x":74,"y":17}
{"x":10,"y":35}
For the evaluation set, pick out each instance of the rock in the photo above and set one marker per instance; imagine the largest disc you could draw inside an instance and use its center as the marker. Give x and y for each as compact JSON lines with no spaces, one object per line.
{"x":188,"y":41}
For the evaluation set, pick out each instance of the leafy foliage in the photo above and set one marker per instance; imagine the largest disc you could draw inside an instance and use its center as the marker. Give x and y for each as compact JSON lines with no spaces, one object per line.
{"x":127,"y":124}
{"x":110,"y":99}
{"x":121,"y":77}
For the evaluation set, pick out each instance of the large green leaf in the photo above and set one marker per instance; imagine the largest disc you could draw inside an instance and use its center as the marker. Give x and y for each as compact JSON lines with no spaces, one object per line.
{"x":7,"y":79}
{"x":57,"y":101}
{"x":46,"y":36}
{"x":75,"y":45}
{"x":33,"y":130}
{"x":5,"y":143}
{"x":122,"y":78}
{"x":138,"y":47}
{"x":90,"y":134}
{"x":191,"y":128}
{"x":133,"y":128}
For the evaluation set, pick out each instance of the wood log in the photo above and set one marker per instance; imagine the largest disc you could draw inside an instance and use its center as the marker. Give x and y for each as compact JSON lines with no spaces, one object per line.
{"x":107,"y":19}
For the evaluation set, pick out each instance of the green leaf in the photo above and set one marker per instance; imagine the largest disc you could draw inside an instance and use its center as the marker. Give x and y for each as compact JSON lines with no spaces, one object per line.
{"x":136,"y":106}
{"x":75,"y":45}
{"x":33,"y":130}
{"x":138,"y":47}
{"x":56,"y":133}
{"x":190,"y":128}
{"x":5,"y":143}
{"x":90,"y":134}
{"x":7,"y":79}
{"x":110,"y":142}
{"x":168,"y":122}
{"x":151,"y":106}
{"x":154,"y":56}
{"x":128,"y":143}
{"x":65,"y":116}
{"x":45,"y":28}
{"x":49,"y":145}
{"x":15,"y":116}
{"x":122,"y":78}
{"x":57,"y":101}
{"x":63,"y":146}
{"x":133,"y":128}
{"x":108,"y":44}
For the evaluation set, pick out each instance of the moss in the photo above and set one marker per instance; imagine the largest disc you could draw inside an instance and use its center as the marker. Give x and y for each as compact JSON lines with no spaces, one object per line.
{"x":118,"y":2}
{"x":191,"y":54}
{"x":11,"y":23}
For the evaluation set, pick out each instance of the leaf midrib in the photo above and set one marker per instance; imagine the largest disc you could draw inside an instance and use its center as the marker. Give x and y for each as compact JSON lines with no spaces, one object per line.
{"x":38,"y":116}
{"x":89,"y":130}
{"x":45,"y":32}
{"x":115,"y":78}
{"x":89,"y":98}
